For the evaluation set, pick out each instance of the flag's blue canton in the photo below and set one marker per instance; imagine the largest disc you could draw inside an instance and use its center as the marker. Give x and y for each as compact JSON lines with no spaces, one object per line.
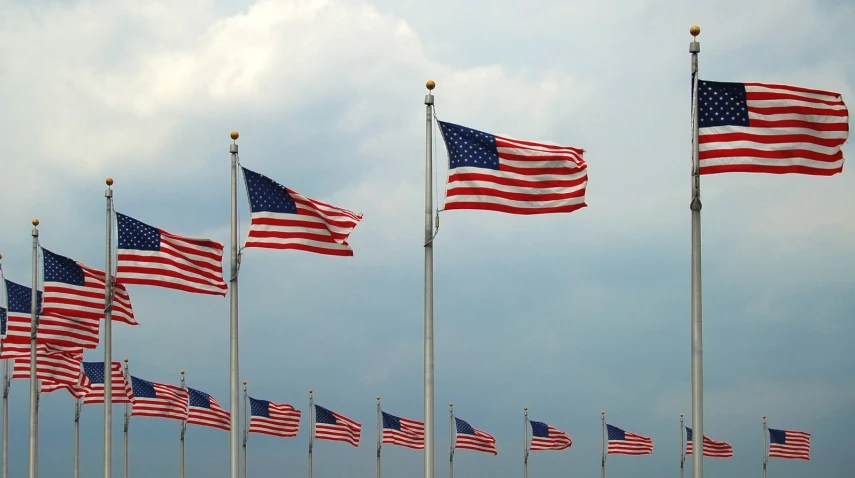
{"x":722,"y":104}
{"x":134,"y":234}
{"x":259,"y":408}
{"x":615,"y":433}
{"x":20,"y":298}
{"x":688,"y":434}
{"x":142,"y":388}
{"x":3,"y":320}
{"x":391,"y":422}
{"x":62,"y":269}
{"x":468,"y":147}
{"x":539,"y":429}
{"x":199,"y":399}
{"x":94,"y":371}
{"x":463,"y":427}
{"x":778,"y":437}
{"x":322,"y":415}
{"x":267,"y":195}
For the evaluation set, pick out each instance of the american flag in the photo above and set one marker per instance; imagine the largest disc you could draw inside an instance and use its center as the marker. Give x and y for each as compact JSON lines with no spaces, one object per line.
{"x":122,"y":392}
{"x":3,"y":319}
{"x":152,"y":399}
{"x":285,"y":219}
{"x":470,"y":438}
{"x":205,"y":411}
{"x":75,"y":290}
{"x":58,"y":331}
{"x":513,"y":176}
{"x":712,"y":448}
{"x":277,"y":419}
{"x":769,"y":128}
{"x":151,"y":256}
{"x":625,"y":443}
{"x":789,"y":444}
{"x":330,"y":425}
{"x":545,"y":437}
{"x":403,"y":432}
{"x":56,"y":368}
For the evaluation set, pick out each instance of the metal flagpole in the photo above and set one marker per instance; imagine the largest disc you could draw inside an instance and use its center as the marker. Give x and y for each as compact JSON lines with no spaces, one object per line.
{"x":311,"y":430}
{"x":525,"y":443}
{"x":181,"y":438}
{"x":379,"y":434}
{"x":765,"y":446}
{"x":234,"y":396}
{"x":34,"y":329}
{"x":428,"y":335}
{"x":108,"y":336}
{"x":451,"y":434}
{"x":603,"y":462}
{"x":682,"y":446}
{"x":697,"y":347}
{"x":6,"y":383}
{"x":127,"y":423}
{"x":77,"y":409}
{"x":245,"y":427}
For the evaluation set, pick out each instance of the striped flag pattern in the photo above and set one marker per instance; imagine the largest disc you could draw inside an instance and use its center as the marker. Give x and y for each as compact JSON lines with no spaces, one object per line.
{"x":285,"y":219}
{"x":712,"y":448}
{"x":789,"y":444}
{"x":770,"y":128}
{"x":277,"y":419}
{"x":205,"y":411}
{"x":122,"y":392}
{"x":498,"y":173}
{"x":151,"y":256}
{"x":469,"y":438}
{"x":545,"y":437}
{"x":625,"y":443}
{"x":152,"y":399}
{"x":403,"y":432}
{"x":330,"y":425}
{"x":56,"y":368}
{"x":75,"y":290}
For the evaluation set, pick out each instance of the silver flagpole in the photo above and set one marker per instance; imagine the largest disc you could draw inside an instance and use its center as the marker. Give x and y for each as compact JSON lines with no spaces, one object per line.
{"x":181,"y":438}
{"x":6,"y":383}
{"x":311,"y":430}
{"x":234,"y":396}
{"x":697,"y":347}
{"x":245,"y":427}
{"x":127,"y":422}
{"x":428,"y":338}
{"x":34,"y":330}
{"x":451,"y":434}
{"x":525,"y":443}
{"x":682,"y":446}
{"x":379,"y":434}
{"x":765,"y":446}
{"x":108,"y":336}
{"x":603,"y":462}
{"x":77,"y":409}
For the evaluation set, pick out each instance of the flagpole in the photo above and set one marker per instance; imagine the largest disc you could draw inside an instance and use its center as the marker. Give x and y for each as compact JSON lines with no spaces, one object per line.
{"x":181,"y":437}
{"x":603,"y":462}
{"x":311,"y":430}
{"x":765,"y":447}
{"x":6,"y":383}
{"x":34,"y":330}
{"x":525,"y":443}
{"x":234,"y":396}
{"x":451,"y":430}
{"x":379,"y":435}
{"x":428,"y":334}
{"x":245,"y":428}
{"x":77,"y":409}
{"x":697,"y":347}
{"x":682,"y":447}
{"x":108,"y":336}
{"x":127,"y":422}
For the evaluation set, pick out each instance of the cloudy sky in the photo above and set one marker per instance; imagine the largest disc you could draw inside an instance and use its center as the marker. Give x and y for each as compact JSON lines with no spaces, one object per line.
{"x":566,"y":314}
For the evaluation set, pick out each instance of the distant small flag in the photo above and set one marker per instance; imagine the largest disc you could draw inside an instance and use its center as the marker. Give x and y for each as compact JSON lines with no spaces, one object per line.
{"x":625,"y":443}
{"x":63,"y":332}
{"x":769,"y":128}
{"x":712,"y":448}
{"x":513,"y":176}
{"x":152,"y":256}
{"x":277,"y":419}
{"x":122,"y":392}
{"x":56,"y":368}
{"x":330,"y":425}
{"x":205,"y":411}
{"x":75,"y":290}
{"x":470,"y":438}
{"x":152,"y":399}
{"x":789,"y":444}
{"x":545,"y":437}
{"x":285,"y":219}
{"x":3,"y":319}
{"x":403,"y":432}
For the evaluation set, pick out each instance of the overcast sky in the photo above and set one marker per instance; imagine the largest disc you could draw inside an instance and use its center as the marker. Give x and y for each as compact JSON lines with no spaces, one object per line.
{"x":566,"y":314}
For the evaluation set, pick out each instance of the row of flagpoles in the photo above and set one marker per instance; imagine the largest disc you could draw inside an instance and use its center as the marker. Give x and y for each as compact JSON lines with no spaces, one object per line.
{"x":736,"y":127}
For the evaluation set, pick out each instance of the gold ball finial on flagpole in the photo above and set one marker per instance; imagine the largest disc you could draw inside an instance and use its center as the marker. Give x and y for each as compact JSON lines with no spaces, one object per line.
{"x":234,"y":135}
{"x":525,"y":408}
{"x":244,"y":382}
{"x":451,"y":404}
{"x":695,"y":30}
{"x":35,"y":222}
{"x":430,"y":84}
{"x":378,"y":398}
{"x":109,"y":181}
{"x":126,"y":360}
{"x":310,"y":390}
{"x":182,"y":372}
{"x":681,"y":415}
{"x":1,"y":256}
{"x":764,"y":417}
